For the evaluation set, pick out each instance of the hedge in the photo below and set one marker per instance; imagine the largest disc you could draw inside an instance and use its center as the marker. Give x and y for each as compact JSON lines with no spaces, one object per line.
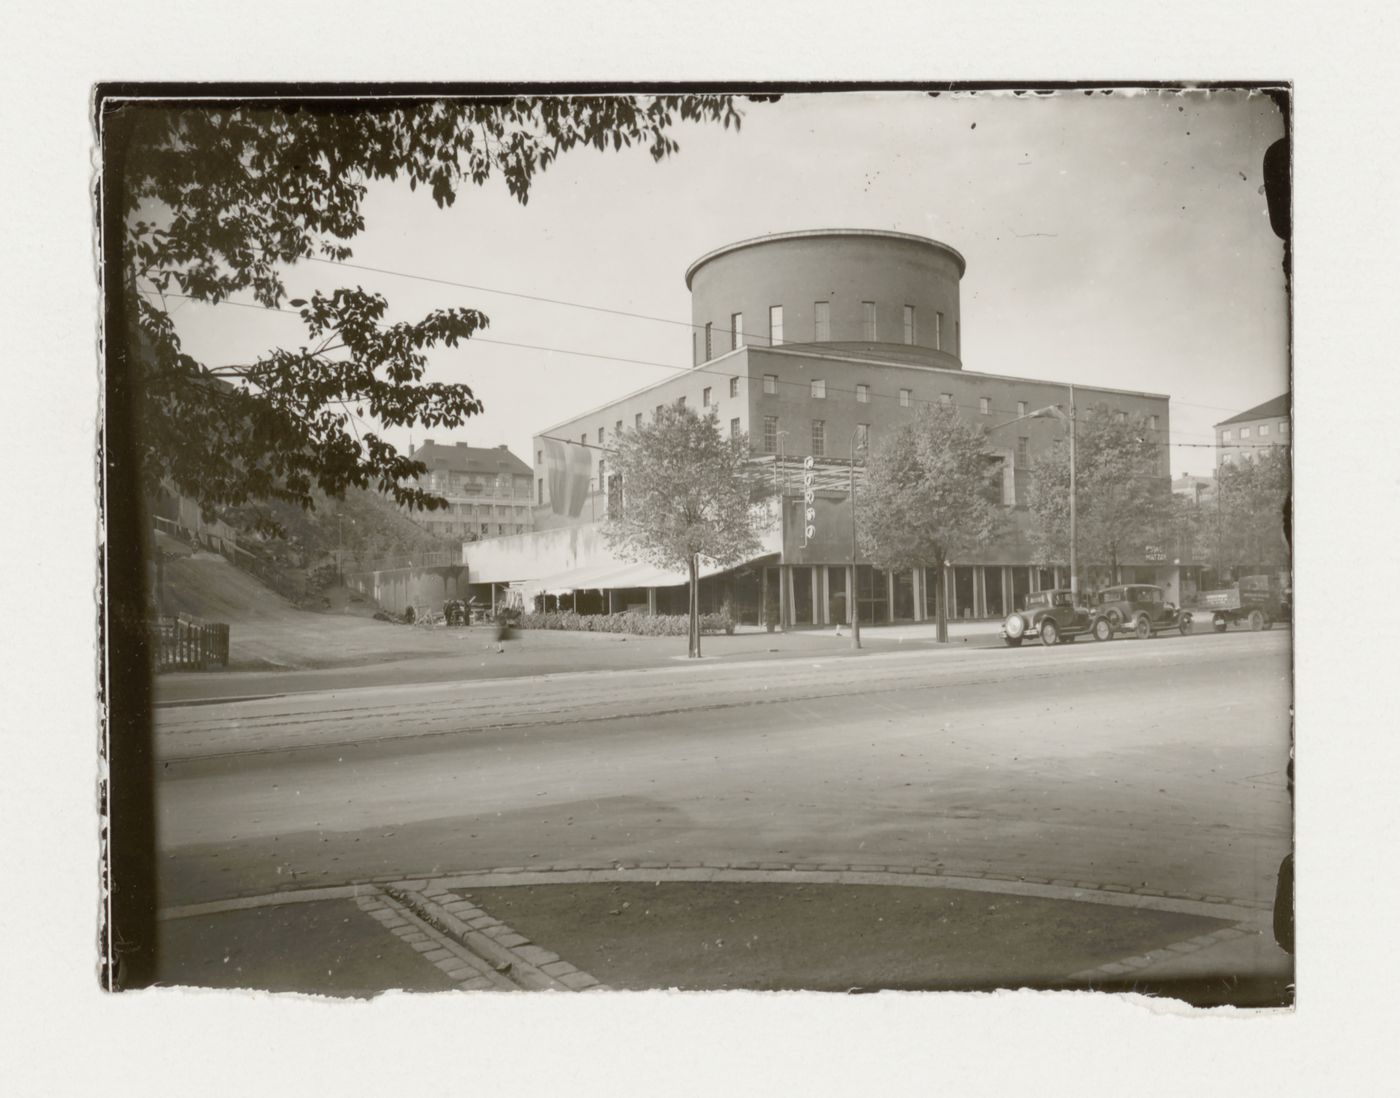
{"x":644,"y":625}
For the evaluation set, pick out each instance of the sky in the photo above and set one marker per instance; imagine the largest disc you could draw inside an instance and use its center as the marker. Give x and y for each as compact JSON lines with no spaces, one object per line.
{"x":1120,"y":240}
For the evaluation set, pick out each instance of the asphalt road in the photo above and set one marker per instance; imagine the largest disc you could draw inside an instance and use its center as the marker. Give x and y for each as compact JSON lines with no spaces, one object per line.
{"x":1156,"y":764}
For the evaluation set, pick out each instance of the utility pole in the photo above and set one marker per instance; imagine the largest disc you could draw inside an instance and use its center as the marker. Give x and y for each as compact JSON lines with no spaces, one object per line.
{"x":851,"y":601}
{"x":1073,"y":505}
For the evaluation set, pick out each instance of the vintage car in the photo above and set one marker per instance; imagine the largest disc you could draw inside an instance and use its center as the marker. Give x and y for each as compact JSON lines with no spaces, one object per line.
{"x":1053,"y":616}
{"x":1142,"y":610}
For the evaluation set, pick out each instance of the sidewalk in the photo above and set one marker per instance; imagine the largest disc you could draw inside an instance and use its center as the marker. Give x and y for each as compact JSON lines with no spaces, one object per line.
{"x":754,"y":930}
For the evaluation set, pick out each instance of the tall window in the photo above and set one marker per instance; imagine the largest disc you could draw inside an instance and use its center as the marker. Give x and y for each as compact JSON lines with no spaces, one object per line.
{"x":709,"y":340}
{"x":909,"y":332}
{"x":862,"y":393}
{"x":617,"y":427}
{"x":658,"y":410}
{"x":540,"y":486}
{"x":600,"y":436}
{"x":539,"y":457}
{"x":1020,"y":407}
{"x":818,"y":437}
{"x":862,"y":436}
{"x":770,"y":384}
{"x":602,"y":478}
{"x":736,"y":331}
{"x":734,"y":428}
{"x":1023,"y":452}
{"x":906,"y":397}
{"x":1263,"y":430}
{"x":583,"y":439}
{"x":775,"y":325}
{"x":1228,"y":436}
{"x":818,"y":388}
{"x":938,"y":330}
{"x":637,"y":420}
{"x":984,"y":405}
{"x":770,"y":434}
{"x":823,"y":318}
{"x":733,"y":386}
{"x":867,"y":316}
{"x":680,"y":402}
{"x":1244,"y":433}
{"x":1152,"y":423}
{"x":705,"y":396}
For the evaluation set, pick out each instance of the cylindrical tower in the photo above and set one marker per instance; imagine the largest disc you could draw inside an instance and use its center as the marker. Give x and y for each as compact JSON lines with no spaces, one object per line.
{"x":848,"y":291}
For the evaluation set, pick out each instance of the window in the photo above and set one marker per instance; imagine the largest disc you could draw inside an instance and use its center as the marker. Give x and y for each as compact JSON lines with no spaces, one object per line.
{"x":909,"y":331}
{"x":770,"y":434}
{"x":818,"y":437}
{"x":602,"y":479}
{"x":945,"y":398}
{"x":867,"y":313}
{"x":770,"y":384}
{"x":818,"y":388}
{"x":600,"y":436}
{"x":1228,"y":436}
{"x":1023,"y":452}
{"x":1151,"y":423}
{"x":984,"y":405}
{"x":1263,"y":430}
{"x":862,"y":394}
{"x":617,"y":427}
{"x":680,"y":403}
{"x":938,"y":330}
{"x":705,"y":396}
{"x":709,"y":339}
{"x":736,"y":331}
{"x":775,"y":325}
{"x":1020,"y":407}
{"x":733,"y":386}
{"x":862,"y":436}
{"x":906,"y":397}
{"x":540,"y":486}
{"x":637,"y":420}
{"x":733,"y":428}
{"x":822,"y":310}
{"x":583,"y":439}
{"x":658,"y":410}
{"x":1283,"y":427}
{"x":1244,"y":433}
{"x":539,"y":457}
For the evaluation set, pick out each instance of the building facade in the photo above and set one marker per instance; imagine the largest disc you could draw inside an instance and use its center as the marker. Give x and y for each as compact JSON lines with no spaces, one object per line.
{"x":1241,"y":437}
{"x":818,"y":344}
{"x":487,"y":491}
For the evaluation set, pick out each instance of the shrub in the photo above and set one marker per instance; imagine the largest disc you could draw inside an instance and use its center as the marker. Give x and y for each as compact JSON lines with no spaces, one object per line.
{"x":643,"y":625}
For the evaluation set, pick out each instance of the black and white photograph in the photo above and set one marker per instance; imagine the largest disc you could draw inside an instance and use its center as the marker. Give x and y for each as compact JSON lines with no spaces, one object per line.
{"x":595,"y":540}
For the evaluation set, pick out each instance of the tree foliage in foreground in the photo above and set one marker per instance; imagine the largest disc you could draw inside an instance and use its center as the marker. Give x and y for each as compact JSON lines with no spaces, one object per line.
{"x":687,"y":494}
{"x":930,"y":497}
{"x":1124,"y":497}
{"x":217,"y":200}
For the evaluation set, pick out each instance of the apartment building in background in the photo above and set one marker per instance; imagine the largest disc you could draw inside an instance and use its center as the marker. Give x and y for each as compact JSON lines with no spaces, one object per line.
{"x":1241,"y":437}
{"x":487,"y":491}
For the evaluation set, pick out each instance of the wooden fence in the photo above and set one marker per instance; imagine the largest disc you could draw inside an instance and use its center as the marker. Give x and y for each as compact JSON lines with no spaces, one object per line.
{"x":183,"y":643}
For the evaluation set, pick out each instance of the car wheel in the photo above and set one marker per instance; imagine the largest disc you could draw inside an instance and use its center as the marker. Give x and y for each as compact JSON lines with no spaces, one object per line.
{"x":1219,"y":624}
{"x":1049,"y":633}
{"x":1256,"y":621}
{"x":1185,"y":627}
{"x":1143,"y":629}
{"x":1103,"y":630}
{"x":1013,"y":642}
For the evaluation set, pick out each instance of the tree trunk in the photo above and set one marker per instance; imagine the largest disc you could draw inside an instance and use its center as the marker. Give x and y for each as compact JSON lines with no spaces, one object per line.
{"x":942,"y":604}
{"x":694,"y":609}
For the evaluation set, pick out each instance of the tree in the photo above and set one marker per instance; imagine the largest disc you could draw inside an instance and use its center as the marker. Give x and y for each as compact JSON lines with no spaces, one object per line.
{"x":686,"y":494}
{"x":1247,"y":527}
{"x":930,"y":496}
{"x":1123,"y":497}
{"x":216,"y":200}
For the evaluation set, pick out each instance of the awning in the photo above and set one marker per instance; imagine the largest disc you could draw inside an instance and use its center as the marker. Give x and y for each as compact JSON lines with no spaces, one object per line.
{"x":612,"y":577}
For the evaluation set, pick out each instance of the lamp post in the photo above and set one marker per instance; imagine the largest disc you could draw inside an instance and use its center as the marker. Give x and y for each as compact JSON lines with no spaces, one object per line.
{"x":1053,"y":411}
{"x":852,"y":604}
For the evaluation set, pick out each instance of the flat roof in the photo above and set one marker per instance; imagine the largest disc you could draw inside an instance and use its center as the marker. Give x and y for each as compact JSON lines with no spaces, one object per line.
{"x":889,"y":234}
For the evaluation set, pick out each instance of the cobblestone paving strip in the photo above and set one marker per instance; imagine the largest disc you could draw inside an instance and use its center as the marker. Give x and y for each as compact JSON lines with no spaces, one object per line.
{"x":454,"y":960}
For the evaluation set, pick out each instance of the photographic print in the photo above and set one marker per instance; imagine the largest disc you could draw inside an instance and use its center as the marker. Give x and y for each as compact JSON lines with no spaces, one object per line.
{"x":600,"y":539}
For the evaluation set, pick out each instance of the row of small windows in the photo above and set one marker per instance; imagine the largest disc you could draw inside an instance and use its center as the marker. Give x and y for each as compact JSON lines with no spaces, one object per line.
{"x":771,"y":435}
{"x":821,"y":327}
{"x":1229,"y":435}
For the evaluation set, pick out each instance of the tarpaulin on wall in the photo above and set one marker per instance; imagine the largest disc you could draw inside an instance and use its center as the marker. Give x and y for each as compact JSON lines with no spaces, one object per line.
{"x":569,"y":471}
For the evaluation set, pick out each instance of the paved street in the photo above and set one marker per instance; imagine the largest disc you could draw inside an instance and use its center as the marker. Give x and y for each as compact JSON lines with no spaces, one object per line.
{"x":1151,"y":767}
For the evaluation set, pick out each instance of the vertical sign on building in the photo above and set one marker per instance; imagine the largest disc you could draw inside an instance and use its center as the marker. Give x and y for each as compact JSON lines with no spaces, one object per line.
{"x":809,"y":500}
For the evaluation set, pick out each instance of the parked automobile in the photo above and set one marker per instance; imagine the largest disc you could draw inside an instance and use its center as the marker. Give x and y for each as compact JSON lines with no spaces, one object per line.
{"x":1142,"y":610}
{"x":1256,"y":600}
{"x":1054,"y":616}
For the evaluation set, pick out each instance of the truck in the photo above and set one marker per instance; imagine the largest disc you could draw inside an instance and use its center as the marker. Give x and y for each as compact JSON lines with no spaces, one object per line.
{"x":1255,"y":600}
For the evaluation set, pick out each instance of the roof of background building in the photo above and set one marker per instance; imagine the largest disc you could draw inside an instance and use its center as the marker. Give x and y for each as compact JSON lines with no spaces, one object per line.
{"x":461,"y":458}
{"x":801,"y":233}
{"x":1279,"y":406}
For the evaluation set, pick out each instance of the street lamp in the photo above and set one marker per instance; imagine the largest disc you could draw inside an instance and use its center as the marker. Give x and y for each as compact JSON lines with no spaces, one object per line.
{"x":852,"y":603}
{"x":1054,"y":411}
